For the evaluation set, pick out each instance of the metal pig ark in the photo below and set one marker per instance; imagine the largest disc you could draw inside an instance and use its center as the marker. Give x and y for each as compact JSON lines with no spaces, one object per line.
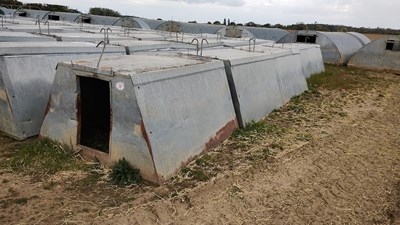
{"x":158,"y":112}
{"x":27,"y":71}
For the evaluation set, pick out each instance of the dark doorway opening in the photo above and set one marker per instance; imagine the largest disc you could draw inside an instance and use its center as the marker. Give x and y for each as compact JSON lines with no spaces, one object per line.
{"x":307,"y":38}
{"x":23,"y":14}
{"x":54,"y":17}
{"x":86,"y":20}
{"x":389,"y":45}
{"x":95,"y":116}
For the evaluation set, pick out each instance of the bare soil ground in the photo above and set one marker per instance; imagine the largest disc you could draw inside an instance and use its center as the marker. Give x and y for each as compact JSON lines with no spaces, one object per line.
{"x":375,"y":36}
{"x":329,"y":156}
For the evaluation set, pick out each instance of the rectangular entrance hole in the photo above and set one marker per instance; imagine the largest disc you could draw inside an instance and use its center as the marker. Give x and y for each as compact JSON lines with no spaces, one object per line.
{"x":307,"y":38}
{"x":95,"y":116}
{"x":54,"y":17}
{"x":392,"y":45}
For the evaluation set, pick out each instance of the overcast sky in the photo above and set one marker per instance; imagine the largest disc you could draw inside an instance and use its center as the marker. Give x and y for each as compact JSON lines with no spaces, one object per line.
{"x":359,"y":13}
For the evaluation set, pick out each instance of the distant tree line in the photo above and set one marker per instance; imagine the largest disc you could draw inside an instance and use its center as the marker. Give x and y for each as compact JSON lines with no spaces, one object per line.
{"x":38,"y":6}
{"x":313,"y":26}
{"x":104,"y":12}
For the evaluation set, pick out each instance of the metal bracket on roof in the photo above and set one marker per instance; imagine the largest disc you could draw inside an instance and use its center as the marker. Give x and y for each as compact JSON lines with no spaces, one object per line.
{"x":254,"y":44}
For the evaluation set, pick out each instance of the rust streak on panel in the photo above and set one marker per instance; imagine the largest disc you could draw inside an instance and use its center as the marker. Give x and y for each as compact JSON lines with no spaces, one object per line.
{"x":147,"y":139}
{"x":78,"y":117}
{"x":219,"y":137}
{"x":222,"y":134}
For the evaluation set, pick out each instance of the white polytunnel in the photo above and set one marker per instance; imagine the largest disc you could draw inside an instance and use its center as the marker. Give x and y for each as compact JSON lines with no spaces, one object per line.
{"x":336,"y":47}
{"x":380,"y":54}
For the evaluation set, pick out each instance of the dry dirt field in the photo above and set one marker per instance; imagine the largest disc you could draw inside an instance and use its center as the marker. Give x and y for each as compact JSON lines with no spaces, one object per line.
{"x":329,"y":156}
{"x":375,"y":36}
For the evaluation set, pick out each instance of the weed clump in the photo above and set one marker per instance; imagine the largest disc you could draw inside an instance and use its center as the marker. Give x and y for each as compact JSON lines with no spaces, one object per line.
{"x":123,"y":174}
{"x":42,"y":157}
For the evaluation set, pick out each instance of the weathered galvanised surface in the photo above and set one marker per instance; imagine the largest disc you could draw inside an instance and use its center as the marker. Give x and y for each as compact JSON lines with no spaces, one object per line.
{"x":171,"y":109}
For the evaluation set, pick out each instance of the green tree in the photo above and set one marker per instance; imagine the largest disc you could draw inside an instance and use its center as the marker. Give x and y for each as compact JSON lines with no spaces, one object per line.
{"x":11,"y":3}
{"x":217,"y":23}
{"x":104,"y":12}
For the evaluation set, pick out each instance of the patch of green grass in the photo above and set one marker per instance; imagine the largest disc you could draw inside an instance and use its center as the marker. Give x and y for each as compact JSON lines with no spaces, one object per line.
{"x":196,"y":173}
{"x":255,"y":129}
{"x":339,"y":77}
{"x":21,"y":201}
{"x":123,"y":174}
{"x":42,"y":157}
{"x":204,"y":161}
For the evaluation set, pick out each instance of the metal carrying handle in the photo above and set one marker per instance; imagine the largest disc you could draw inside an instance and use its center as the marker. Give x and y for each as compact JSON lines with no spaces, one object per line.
{"x":48,"y":26}
{"x":254,"y":44}
{"x":38,"y":23}
{"x":106,"y":38}
{"x":219,"y":36}
{"x":102,"y":52}
{"x":197,"y":45}
{"x":202,"y":40}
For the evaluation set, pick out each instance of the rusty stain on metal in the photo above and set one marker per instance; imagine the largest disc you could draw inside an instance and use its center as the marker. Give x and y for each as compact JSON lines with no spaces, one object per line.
{"x":78,"y":116}
{"x":222,"y":134}
{"x":147,"y":139}
{"x":91,"y":154}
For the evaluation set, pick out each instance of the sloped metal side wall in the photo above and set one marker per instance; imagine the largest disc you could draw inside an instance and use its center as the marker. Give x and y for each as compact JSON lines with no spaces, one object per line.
{"x":28,"y":87}
{"x":345,"y":43}
{"x":310,"y":55}
{"x":61,"y":121}
{"x":273,"y":34}
{"x":291,"y":79}
{"x":185,"y":111}
{"x":361,"y":37}
{"x":7,"y":122}
{"x":257,"y":89}
{"x":311,"y":60}
{"x":376,"y":56}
